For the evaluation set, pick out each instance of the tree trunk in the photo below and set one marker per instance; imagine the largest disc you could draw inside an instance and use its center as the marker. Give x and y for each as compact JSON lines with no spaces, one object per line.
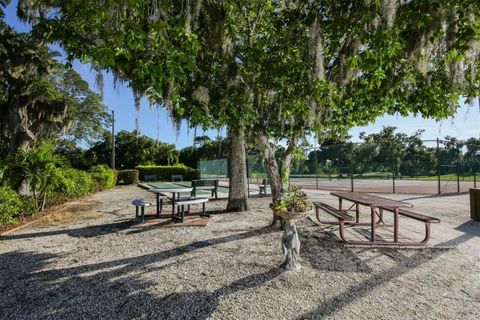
{"x":287,"y":161}
{"x":273,"y":172}
{"x":278,"y":178}
{"x":44,"y":201}
{"x":20,"y":135}
{"x":238,"y":195}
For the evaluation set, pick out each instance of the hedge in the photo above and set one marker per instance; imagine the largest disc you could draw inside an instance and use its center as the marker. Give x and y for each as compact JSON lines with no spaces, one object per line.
{"x":13,"y":206}
{"x":104,"y":177}
{"x":165,"y":173}
{"x":79,"y":183}
{"x":129,"y":176}
{"x":76,"y":183}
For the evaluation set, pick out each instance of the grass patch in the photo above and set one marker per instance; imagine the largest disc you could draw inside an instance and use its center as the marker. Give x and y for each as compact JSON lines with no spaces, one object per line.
{"x":444,"y":177}
{"x":66,"y":217}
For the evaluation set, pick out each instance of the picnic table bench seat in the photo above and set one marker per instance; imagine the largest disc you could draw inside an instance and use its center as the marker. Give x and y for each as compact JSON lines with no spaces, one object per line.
{"x":188,"y":201}
{"x":341,"y":215}
{"x":262,"y":188}
{"x":140,"y":204}
{"x":418,"y":216}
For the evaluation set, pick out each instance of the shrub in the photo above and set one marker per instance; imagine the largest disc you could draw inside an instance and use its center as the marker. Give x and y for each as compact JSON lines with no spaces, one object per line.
{"x":165,"y":172}
{"x":104,"y":177}
{"x":29,"y":206}
{"x":129,"y":176}
{"x":13,"y":206}
{"x":79,"y":183}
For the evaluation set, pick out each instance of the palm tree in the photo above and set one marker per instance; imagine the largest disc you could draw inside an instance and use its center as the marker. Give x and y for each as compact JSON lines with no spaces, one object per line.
{"x":173,"y":156}
{"x":39,"y":168}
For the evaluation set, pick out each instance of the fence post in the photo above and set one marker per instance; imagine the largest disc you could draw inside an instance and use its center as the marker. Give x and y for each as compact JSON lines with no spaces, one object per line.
{"x":199,"y":168}
{"x":393,"y":178}
{"x":438,"y":166}
{"x":458,"y":177}
{"x":316,"y":169}
{"x":351,"y":176}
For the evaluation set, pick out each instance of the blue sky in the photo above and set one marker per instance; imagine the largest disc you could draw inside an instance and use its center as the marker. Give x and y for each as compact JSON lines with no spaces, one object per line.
{"x":465,"y":123}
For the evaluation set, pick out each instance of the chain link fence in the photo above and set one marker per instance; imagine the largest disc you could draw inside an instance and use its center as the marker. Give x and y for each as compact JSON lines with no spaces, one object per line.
{"x":419,"y":167}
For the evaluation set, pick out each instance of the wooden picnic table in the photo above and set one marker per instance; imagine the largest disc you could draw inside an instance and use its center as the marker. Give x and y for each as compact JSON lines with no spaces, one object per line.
{"x":376,"y":205}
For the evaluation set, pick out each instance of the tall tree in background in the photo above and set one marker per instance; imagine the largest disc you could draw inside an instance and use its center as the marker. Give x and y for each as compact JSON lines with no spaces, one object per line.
{"x":132,"y":150}
{"x":40,"y":98}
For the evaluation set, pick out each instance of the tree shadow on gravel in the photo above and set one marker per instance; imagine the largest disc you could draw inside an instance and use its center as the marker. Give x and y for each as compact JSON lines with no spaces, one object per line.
{"x":324,"y":251}
{"x":330,"y":306}
{"x":96,"y":230}
{"x":29,"y":293}
{"x":116,"y":289}
{"x":202,"y":304}
{"x":85,"y":232}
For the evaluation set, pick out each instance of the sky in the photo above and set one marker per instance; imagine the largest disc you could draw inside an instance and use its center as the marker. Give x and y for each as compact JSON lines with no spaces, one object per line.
{"x":464,"y":124}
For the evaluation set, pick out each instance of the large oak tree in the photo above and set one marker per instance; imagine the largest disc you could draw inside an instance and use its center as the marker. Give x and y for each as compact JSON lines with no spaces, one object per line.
{"x":278,"y":69}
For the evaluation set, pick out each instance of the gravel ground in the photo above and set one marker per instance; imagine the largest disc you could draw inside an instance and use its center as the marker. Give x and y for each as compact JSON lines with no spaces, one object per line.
{"x":94,"y":265}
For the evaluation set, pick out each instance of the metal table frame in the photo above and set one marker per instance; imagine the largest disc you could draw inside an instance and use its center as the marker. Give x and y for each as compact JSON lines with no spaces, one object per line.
{"x":175,"y":196}
{"x":375,"y":203}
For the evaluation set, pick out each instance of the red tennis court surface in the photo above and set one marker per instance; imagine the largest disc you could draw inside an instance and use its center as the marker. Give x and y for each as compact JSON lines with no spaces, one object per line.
{"x":384,"y":185}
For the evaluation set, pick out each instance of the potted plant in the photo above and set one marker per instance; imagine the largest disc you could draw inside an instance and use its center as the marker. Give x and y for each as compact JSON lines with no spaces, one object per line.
{"x":278,"y":207}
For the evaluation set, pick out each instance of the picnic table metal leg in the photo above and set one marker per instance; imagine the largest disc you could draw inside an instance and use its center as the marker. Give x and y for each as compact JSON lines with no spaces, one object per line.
{"x":182,"y":213}
{"x":143,"y":214}
{"x":395,"y":225}
{"x":357,"y":212}
{"x":340,"y":204}
{"x":173,"y":206}
{"x":178,"y":199}
{"x":380,"y":218}
{"x":158,"y":205}
{"x":427,"y":234}
{"x":372,"y":212}
{"x":136,"y":212}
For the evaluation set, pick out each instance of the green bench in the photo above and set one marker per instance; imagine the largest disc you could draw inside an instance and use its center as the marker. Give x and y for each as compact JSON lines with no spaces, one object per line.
{"x":150,"y":178}
{"x":262,"y":188}
{"x":209,"y":185}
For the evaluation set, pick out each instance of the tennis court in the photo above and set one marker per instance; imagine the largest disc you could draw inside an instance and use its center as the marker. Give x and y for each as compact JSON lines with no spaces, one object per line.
{"x":384,"y":185}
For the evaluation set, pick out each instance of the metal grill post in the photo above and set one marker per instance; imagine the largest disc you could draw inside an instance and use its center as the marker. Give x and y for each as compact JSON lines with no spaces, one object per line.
{"x":458,"y":177}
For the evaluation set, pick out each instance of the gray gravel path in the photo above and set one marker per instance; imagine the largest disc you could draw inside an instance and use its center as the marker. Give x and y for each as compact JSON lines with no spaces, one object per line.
{"x":96,"y":266}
